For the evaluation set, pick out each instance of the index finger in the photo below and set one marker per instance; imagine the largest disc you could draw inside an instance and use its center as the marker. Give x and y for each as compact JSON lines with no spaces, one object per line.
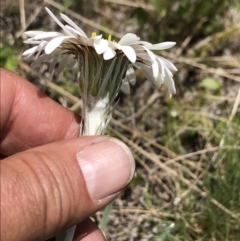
{"x":29,"y":118}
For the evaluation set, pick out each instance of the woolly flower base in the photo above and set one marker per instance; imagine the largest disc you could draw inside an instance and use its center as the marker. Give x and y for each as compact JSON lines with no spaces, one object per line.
{"x":100,"y":82}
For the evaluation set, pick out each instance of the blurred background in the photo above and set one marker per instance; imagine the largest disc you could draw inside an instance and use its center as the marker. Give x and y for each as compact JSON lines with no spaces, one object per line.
{"x":187,"y":148}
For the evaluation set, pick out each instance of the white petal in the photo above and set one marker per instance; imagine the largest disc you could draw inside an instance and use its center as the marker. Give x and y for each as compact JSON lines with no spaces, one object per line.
{"x":130,"y":75}
{"x":109,"y":53}
{"x":170,"y":84}
{"x":33,"y":33}
{"x":42,"y":58}
{"x":162,"y":66}
{"x":54,"y":43}
{"x":70,"y":22}
{"x":116,"y":45}
{"x":162,"y":46}
{"x":113,"y":45}
{"x":147,"y":71}
{"x":155,"y":69}
{"x":53,"y":64}
{"x":47,"y":35}
{"x":128,"y":39}
{"x":41,"y":47}
{"x":62,"y":64}
{"x":29,"y":41}
{"x":97,"y":37}
{"x":144,"y":43}
{"x":168,"y":64}
{"x":168,"y":72}
{"x":125,"y":88}
{"x":100,"y":45}
{"x":142,"y":50}
{"x":77,"y":33}
{"x":130,"y":53}
{"x":57,"y":21}
{"x":145,"y":57}
{"x":138,"y":47}
{"x":160,"y":80}
{"x":150,"y":53}
{"x":30,"y":51}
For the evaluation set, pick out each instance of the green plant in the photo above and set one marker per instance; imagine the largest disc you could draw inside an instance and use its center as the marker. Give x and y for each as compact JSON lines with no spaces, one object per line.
{"x":8,"y":57}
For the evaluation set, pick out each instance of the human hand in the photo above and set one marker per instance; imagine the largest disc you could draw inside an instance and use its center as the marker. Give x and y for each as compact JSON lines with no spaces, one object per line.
{"x":50,"y":179}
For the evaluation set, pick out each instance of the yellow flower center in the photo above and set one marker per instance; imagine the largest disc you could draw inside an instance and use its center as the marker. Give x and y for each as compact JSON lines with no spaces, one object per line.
{"x":94,"y":34}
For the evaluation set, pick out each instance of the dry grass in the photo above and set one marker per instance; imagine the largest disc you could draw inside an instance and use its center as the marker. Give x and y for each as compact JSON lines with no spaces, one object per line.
{"x":187,"y":148}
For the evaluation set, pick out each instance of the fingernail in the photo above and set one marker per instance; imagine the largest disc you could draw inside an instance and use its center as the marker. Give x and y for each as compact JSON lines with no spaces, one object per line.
{"x":107,"y":167}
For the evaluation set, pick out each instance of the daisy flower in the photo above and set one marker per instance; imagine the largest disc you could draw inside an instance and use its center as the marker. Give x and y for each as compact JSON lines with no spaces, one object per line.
{"x":105,"y":66}
{"x":74,"y":42}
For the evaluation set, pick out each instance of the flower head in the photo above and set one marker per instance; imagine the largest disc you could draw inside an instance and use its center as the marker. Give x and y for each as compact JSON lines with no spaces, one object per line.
{"x":138,"y":53}
{"x":105,"y":66}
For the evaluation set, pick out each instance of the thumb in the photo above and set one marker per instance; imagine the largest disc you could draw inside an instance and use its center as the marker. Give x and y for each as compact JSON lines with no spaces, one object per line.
{"x":52,"y":187}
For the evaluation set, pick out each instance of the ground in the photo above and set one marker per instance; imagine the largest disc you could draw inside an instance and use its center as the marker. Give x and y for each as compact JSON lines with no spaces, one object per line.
{"x":186,"y":147}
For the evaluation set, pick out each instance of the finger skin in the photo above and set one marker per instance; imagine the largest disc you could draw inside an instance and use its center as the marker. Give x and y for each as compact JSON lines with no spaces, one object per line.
{"x":43,"y":191}
{"x":29,"y":118}
{"x":40,"y":196}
